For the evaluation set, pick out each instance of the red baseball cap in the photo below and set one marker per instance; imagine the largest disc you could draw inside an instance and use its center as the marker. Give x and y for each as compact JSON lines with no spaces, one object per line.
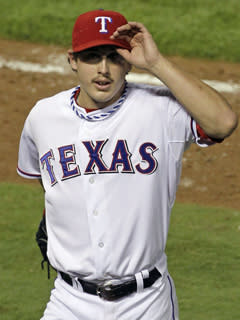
{"x":94,"y":28}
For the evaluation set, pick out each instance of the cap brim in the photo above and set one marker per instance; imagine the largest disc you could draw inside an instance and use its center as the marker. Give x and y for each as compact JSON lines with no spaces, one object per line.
{"x":96,"y":43}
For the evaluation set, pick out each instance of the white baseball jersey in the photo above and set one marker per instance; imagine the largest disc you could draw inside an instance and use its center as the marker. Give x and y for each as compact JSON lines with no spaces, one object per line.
{"x":110,"y":178}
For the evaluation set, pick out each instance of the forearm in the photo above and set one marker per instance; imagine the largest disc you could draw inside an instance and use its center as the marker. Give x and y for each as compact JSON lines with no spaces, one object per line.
{"x":205,"y":105}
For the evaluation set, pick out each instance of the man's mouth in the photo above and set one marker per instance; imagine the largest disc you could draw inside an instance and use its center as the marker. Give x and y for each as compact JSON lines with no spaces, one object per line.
{"x":102,"y":84}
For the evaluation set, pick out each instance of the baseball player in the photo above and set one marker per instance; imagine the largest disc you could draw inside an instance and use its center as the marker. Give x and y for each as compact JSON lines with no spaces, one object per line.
{"x":109,"y":154}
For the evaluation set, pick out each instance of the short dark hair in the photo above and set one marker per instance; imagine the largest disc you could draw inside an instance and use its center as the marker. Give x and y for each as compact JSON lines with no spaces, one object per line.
{"x":76,"y":55}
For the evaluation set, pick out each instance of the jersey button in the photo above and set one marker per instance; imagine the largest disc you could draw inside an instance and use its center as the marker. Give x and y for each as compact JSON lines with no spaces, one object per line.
{"x":101,"y":244}
{"x":91,"y":180}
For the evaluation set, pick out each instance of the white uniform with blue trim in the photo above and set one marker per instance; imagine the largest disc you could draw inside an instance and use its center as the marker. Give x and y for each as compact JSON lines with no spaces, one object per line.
{"x":110,"y":178}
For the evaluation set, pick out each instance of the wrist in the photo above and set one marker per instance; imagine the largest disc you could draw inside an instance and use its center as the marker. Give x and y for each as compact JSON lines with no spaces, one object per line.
{"x":164,"y":70}
{"x":157,"y":66}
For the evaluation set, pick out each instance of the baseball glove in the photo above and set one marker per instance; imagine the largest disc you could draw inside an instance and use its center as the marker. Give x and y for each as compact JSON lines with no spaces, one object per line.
{"x":42,"y":238}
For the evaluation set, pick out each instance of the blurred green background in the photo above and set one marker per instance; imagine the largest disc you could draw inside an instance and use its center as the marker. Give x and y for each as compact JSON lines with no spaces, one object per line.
{"x":192,"y":28}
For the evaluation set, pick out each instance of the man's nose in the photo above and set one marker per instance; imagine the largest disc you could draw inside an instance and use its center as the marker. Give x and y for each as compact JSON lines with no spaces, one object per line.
{"x":103,"y":66}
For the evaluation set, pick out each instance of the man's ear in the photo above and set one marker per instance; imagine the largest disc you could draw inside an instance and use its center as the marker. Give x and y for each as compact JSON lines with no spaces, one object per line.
{"x":72,"y":61}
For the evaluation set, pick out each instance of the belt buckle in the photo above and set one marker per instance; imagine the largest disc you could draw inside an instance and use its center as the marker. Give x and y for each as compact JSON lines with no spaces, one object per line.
{"x":104,"y":291}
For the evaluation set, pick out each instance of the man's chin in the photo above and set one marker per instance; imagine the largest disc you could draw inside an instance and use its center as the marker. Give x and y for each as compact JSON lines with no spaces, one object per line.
{"x":103,"y":100}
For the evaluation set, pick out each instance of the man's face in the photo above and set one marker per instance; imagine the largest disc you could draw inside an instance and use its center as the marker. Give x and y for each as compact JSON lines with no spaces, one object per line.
{"x":101,"y":73}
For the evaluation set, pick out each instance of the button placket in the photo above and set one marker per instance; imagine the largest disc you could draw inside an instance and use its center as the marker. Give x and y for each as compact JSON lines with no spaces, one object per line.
{"x":95,"y":212}
{"x":91,"y":180}
{"x":101,"y":244}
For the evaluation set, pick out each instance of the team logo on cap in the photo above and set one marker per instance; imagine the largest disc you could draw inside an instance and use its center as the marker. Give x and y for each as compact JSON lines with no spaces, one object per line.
{"x":103,"y":21}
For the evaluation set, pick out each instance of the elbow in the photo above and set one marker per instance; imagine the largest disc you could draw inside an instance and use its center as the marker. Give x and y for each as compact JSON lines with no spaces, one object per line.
{"x":229,"y":124}
{"x":223,"y":126}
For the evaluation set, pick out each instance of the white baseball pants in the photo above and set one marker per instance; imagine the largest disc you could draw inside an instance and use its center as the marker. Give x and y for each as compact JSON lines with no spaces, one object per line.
{"x":158,"y":302}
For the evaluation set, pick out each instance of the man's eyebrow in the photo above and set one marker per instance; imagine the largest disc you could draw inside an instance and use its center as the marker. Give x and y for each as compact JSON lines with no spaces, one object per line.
{"x":103,"y":50}
{"x":90,"y":50}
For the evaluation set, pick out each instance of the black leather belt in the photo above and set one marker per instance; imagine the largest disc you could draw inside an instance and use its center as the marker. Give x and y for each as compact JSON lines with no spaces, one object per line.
{"x":109,"y":291}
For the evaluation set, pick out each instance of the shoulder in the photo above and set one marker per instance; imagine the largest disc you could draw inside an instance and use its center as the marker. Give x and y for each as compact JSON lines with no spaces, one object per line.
{"x":62,"y":97}
{"x":150,"y":90}
{"x":157,"y":103}
{"x":154,"y":96}
{"x":160,"y":95}
{"x":50,"y":104}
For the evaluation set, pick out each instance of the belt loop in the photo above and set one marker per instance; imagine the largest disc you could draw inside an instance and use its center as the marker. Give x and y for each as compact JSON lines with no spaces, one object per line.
{"x":76,"y":284}
{"x":145,"y":274}
{"x":139,"y":280}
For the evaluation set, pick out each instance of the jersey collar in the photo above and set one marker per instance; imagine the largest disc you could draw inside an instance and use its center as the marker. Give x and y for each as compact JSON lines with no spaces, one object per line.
{"x":99,"y":114}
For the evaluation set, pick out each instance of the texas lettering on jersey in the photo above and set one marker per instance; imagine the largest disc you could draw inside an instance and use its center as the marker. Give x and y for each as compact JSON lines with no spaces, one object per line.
{"x":120,"y":160}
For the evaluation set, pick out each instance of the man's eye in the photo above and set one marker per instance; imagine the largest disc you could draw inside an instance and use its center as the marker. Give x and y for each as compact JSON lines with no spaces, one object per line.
{"x":115,"y":57}
{"x":91,"y":57}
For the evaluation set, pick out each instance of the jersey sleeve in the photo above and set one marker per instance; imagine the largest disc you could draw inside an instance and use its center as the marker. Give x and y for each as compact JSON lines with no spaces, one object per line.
{"x":28,"y":158}
{"x":183,"y":128}
{"x":179,"y":124}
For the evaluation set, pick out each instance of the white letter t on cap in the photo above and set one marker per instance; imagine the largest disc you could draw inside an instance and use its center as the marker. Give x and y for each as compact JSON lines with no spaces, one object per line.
{"x":103,"y":23}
